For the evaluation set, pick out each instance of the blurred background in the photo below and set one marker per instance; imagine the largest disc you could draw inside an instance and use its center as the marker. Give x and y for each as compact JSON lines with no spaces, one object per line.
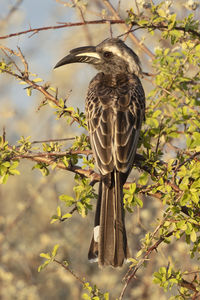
{"x":28,"y":201}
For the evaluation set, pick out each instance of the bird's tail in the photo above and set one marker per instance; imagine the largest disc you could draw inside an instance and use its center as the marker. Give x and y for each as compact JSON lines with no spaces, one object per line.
{"x":109,"y":242}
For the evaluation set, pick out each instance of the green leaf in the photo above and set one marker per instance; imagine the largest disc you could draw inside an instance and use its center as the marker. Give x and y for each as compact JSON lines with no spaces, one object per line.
{"x":138,"y":201}
{"x":133,"y":188}
{"x":55,"y":250}
{"x":45,"y":255}
{"x":67,"y":199}
{"x":181,"y":225}
{"x":54,"y":219}
{"x":106,"y":296}
{"x":133,"y":262}
{"x":172,"y":21}
{"x":52,"y":89}
{"x":4,"y":178}
{"x":28,"y":91}
{"x":58,"y":211}
{"x":67,"y":216}
{"x":41,"y":267}
{"x":193,"y":236}
{"x":143,"y":178}
{"x":86,"y":297}
{"x":37,"y":80}
{"x":14,"y":172}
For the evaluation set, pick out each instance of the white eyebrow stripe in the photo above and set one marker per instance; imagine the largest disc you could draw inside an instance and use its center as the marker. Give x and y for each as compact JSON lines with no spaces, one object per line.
{"x":114,"y":50}
{"x":90,"y":54}
{"x":122,"y":54}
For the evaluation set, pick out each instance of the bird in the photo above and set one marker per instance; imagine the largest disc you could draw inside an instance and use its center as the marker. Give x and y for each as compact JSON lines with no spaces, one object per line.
{"x":115,"y":110}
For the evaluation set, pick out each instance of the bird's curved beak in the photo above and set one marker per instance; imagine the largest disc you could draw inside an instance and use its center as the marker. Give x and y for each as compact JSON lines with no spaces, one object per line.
{"x":86,"y":54}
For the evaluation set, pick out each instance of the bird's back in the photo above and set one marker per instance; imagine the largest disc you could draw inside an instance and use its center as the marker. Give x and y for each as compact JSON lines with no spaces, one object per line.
{"x":115,"y":110}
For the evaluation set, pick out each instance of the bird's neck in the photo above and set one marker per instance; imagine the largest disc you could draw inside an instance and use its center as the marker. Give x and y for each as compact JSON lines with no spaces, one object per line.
{"x":115,"y":79}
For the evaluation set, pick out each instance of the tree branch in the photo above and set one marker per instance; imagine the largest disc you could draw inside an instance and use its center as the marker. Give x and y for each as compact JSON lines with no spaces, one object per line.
{"x":63,"y":25}
{"x":132,"y":36}
{"x":131,"y":273}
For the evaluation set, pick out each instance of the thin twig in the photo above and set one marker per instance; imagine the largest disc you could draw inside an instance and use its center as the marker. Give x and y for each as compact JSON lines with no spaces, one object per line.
{"x":40,"y":88}
{"x":54,"y":140}
{"x":70,"y":271}
{"x":62,"y":25}
{"x":3,"y":48}
{"x":132,"y":36}
{"x":140,"y":263}
{"x":85,"y":27}
{"x":187,"y":160}
{"x":54,"y":154}
{"x":24,"y":62}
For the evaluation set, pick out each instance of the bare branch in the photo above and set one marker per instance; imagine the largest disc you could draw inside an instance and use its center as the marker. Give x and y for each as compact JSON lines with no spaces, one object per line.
{"x":24,"y":62}
{"x":63,"y":25}
{"x":88,"y":36}
{"x":38,"y":87}
{"x":131,"y":273}
{"x":54,"y":140}
{"x":127,"y":28}
{"x":70,"y":271}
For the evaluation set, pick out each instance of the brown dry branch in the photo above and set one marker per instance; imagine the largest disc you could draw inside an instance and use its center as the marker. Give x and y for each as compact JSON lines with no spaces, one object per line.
{"x":127,"y":28}
{"x":192,"y":156}
{"x":4,"y":49}
{"x":103,"y":21}
{"x":65,"y":3}
{"x":54,"y":140}
{"x":87,"y":34}
{"x":133,"y":270}
{"x":62,"y":25}
{"x":65,"y":266}
{"x":50,"y":158}
{"x":34,"y":85}
{"x":49,"y":161}
{"x":162,"y":26}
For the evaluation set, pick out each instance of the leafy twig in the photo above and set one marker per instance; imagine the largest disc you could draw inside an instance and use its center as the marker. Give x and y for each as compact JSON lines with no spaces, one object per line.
{"x":131,"y":273}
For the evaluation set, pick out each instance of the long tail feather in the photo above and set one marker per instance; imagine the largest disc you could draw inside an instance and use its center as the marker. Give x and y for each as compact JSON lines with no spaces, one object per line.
{"x":109,"y":242}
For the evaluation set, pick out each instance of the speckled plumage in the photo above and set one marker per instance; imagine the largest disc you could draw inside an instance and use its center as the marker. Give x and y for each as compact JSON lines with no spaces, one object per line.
{"x":114,"y":111}
{"x":115,"y":108}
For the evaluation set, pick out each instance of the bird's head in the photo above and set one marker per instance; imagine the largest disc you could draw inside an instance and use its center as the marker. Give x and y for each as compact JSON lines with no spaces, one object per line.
{"x":110,"y":56}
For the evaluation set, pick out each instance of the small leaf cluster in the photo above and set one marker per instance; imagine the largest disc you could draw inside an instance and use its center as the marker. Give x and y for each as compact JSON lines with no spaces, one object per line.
{"x":8,"y":166}
{"x":167,"y":277}
{"x":93,"y":293}
{"x":161,"y":17}
{"x":131,"y":198}
{"x":50,"y":257}
{"x":70,"y":113}
{"x":5,"y":66}
{"x":81,"y":203}
{"x":81,"y":143}
{"x":29,"y":89}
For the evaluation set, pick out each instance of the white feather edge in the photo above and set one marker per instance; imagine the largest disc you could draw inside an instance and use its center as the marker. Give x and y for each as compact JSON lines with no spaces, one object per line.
{"x":96,"y":233}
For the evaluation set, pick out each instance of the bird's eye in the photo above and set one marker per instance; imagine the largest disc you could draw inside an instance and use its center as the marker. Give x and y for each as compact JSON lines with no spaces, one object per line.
{"x":107,"y":54}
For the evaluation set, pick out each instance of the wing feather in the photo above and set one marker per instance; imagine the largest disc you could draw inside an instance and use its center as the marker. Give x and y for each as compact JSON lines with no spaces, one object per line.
{"x":114,"y":116}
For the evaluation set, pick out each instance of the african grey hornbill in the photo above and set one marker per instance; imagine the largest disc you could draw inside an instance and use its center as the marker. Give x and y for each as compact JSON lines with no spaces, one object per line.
{"x":115,"y":108}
